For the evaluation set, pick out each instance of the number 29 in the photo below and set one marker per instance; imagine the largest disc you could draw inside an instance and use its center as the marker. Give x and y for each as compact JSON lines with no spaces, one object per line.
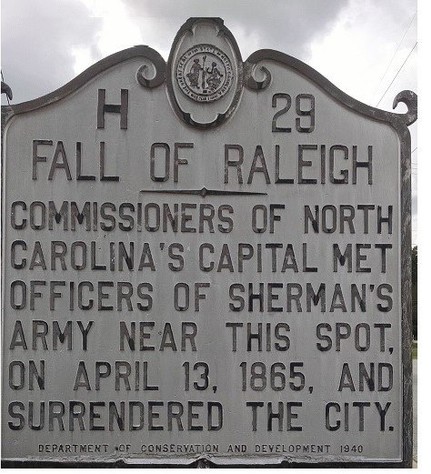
{"x":305,"y":107}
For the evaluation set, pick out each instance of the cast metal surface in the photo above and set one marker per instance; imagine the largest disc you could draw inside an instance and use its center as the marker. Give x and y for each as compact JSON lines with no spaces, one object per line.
{"x":234,"y":139}
{"x":5,"y":89}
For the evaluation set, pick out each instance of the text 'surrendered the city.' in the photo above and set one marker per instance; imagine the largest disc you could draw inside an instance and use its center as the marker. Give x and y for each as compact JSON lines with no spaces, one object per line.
{"x":206,"y":261}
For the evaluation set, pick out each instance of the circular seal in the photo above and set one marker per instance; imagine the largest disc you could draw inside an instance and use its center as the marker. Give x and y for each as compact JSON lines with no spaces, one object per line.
{"x":204,"y":73}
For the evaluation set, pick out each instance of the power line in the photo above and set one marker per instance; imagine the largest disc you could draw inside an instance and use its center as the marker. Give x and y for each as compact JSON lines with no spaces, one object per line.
{"x":414,"y":164}
{"x":396,"y":51}
{"x":396,"y":75}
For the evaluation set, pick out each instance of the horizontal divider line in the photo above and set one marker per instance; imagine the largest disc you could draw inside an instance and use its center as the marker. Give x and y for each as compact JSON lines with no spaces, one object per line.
{"x":204,"y":192}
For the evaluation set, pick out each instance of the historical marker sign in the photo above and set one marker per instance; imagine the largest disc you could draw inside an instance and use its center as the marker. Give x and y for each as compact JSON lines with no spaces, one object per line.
{"x":206,"y":260}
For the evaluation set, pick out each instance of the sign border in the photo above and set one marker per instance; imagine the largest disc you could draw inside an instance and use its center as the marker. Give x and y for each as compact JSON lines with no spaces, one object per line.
{"x":399,"y":122}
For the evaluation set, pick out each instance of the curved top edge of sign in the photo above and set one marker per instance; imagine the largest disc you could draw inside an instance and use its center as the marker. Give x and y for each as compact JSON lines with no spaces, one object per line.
{"x":94,"y":70}
{"x":409,"y":98}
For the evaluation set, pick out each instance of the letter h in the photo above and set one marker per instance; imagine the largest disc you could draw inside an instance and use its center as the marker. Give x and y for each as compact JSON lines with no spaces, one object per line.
{"x":121,"y":109}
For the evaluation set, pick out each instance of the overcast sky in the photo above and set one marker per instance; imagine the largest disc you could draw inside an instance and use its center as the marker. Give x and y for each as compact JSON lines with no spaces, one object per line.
{"x":365,"y":47}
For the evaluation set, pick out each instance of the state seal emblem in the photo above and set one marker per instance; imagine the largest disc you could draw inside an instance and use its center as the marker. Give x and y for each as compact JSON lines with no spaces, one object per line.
{"x":204,"y":73}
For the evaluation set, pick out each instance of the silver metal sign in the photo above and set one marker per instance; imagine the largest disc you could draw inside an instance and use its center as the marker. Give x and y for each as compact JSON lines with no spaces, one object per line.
{"x":206,"y":261}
